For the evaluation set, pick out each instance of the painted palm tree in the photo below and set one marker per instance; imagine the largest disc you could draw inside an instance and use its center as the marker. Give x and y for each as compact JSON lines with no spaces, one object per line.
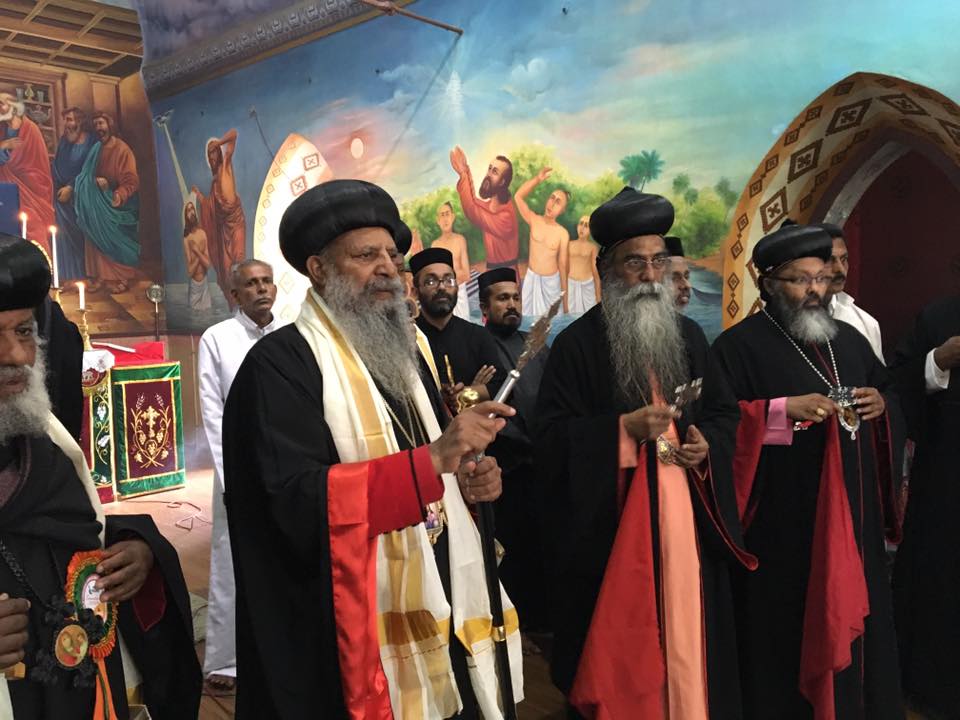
{"x":637,"y":170}
{"x":681,"y":183}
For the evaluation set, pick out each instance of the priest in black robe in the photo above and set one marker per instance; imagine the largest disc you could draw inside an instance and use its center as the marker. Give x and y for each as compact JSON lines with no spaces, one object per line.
{"x":814,"y":488}
{"x":518,"y":514}
{"x":49,"y":512}
{"x":357,"y":564}
{"x":464,"y":354}
{"x":927,"y":573}
{"x":637,"y":491}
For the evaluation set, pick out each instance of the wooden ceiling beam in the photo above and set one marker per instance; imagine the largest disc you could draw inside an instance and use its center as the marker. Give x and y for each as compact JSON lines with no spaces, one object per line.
{"x":71,"y":36}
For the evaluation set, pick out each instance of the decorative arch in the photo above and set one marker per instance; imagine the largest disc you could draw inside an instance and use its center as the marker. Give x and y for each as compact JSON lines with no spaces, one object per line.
{"x":297,"y":167}
{"x":827,"y":157}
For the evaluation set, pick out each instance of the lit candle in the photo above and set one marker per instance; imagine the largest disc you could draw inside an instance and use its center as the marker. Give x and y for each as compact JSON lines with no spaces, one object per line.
{"x":23,"y":225}
{"x":83,"y":298}
{"x":53,"y":254}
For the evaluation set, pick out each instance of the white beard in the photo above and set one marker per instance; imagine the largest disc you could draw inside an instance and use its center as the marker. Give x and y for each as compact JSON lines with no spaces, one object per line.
{"x":380,"y":330}
{"x":28,"y":412}
{"x":643,"y":328}
{"x":809,"y":325}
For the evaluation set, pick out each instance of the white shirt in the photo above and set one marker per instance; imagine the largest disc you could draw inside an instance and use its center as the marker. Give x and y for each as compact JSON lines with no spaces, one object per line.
{"x":222,"y":349}
{"x":843,"y":308}
{"x":936,"y":378}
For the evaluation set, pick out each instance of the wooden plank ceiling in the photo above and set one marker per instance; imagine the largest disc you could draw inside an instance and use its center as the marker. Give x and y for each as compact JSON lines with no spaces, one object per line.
{"x":73,"y":34}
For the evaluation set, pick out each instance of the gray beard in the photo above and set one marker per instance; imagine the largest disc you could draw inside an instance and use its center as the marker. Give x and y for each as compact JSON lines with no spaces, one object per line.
{"x":27,"y":413}
{"x":808,"y":325}
{"x":380,"y":330}
{"x":643,"y":328}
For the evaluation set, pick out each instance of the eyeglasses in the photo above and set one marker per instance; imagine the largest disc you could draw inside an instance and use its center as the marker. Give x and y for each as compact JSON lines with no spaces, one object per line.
{"x":635,"y":263}
{"x":803,"y":280}
{"x":447,"y":281}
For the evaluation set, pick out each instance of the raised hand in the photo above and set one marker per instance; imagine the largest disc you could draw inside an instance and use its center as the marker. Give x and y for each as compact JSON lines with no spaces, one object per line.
{"x":484,"y":375}
{"x":468,"y":435}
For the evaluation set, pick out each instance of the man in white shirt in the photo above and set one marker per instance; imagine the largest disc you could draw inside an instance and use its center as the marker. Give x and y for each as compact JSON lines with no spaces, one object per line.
{"x":842,"y":306}
{"x":926,"y":579}
{"x":222,"y":350}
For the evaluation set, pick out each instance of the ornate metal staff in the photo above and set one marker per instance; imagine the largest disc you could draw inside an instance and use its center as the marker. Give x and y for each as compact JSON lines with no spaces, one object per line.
{"x":536,"y":340}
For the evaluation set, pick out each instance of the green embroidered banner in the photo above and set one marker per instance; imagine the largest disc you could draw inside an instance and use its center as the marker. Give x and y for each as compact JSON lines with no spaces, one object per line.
{"x":149,"y":428}
{"x":96,"y":433}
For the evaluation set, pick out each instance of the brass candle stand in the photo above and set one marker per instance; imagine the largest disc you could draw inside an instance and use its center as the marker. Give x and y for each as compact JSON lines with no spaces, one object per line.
{"x":85,"y":330}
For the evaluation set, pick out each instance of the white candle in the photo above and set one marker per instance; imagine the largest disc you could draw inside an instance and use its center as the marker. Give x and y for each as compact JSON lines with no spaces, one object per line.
{"x":83,"y":298}
{"x":23,"y":225}
{"x":53,"y":254}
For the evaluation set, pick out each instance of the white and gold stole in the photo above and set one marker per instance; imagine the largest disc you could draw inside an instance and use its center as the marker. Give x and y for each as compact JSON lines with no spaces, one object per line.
{"x":414,"y":618}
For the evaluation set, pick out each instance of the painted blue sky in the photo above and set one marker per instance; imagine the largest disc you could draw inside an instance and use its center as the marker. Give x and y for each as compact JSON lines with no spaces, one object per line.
{"x":708,"y":85}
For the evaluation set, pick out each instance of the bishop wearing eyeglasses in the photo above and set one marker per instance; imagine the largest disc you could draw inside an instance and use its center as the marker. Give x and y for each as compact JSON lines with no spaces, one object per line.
{"x":814,"y":486}
{"x":637,"y":494}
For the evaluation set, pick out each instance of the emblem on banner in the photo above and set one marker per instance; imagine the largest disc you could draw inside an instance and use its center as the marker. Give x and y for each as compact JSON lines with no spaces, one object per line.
{"x":151,"y":427}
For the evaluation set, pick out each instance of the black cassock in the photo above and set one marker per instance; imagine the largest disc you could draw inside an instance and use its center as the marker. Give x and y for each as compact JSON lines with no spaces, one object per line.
{"x":277,"y":453}
{"x":44,"y":520}
{"x":927,"y":573}
{"x":468,"y":347}
{"x":577,"y":451}
{"x":518,"y":516}
{"x":64,"y":353}
{"x":761,"y":364}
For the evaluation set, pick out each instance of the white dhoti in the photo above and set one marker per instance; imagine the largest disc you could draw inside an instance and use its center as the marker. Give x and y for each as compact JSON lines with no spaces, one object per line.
{"x":220,"y":654}
{"x":198,"y":294}
{"x":462,"y":309}
{"x":539,"y":293}
{"x":581,"y":295}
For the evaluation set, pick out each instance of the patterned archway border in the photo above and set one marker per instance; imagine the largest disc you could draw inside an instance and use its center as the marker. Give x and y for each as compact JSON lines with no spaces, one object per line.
{"x":818,"y":147}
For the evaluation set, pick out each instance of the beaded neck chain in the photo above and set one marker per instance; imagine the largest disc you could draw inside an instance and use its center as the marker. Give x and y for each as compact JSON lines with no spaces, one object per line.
{"x":833,"y":360}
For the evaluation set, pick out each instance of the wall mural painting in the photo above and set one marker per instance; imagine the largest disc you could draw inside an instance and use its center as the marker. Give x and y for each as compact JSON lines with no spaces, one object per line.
{"x":71,"y":168}
{"x":498,"y":145}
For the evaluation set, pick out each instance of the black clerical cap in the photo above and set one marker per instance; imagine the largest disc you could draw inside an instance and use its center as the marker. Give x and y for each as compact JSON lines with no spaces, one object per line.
{"x":835,"y":231}
{"x":430,"y":256}
{"x":674,"y":246}
{"x":791,"y":243}
{"x":630,"y":214}
{"x":24,"y":274}
{"x":325,"y":212}
{"x":403,"y":237}
{"x":497,"y":275}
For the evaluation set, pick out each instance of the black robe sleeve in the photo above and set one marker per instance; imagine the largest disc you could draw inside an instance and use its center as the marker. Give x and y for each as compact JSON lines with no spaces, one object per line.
{"x":64,"y":354}
{"x":164,"y":651}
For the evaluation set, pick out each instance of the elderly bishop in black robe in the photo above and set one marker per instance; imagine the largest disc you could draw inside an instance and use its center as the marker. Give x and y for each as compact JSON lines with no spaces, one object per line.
{"x":638,"y":496}
{"x":926,"y":581}
{"x":814,"y":487}
{"x":62,"y":662}
{"x":360,"y":582}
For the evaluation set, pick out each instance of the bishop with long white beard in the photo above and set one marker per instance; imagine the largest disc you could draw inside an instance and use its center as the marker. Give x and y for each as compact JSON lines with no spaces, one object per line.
{"x":360,"y":582}
{"x":638,"y":497}
{"x":813,"y":483}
